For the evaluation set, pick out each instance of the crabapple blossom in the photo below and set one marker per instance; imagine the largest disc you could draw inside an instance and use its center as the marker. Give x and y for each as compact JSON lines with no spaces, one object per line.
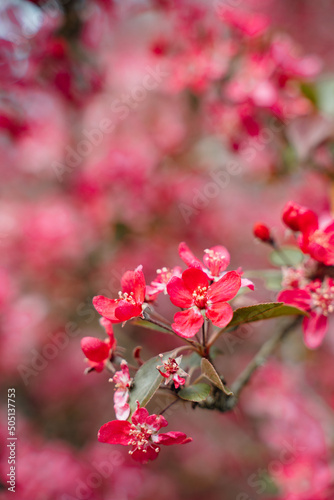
{"x":130,"y":301}
{"x":159,"y":284}
{"x":193,"y":292}
{"x":317,"y":298}
{"x":173,"y":371}
{"x":99,"y":352}
{"x":142,"y":434}
{"x":215,"y":261}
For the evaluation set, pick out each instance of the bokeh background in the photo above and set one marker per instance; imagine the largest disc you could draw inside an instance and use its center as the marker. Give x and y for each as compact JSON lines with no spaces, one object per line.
{"x":125,"y":128}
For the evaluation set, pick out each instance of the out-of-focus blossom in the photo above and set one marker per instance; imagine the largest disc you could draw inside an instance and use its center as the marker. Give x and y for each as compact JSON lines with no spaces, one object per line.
{"x":317,"y":298}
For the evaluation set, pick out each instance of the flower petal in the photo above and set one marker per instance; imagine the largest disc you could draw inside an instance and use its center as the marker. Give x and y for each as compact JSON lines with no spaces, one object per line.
{"x":139,"y":416}
{"x":122,"y":411}
{"x":194,"y":278}
{"x":142,"y":457}
{"x":315,"y":328}
{"x":188,"y":257}
{"x":169,"y":438}
{"x":126,"y":310}
{"x":298,"y":298}
{"x":115,"y":432}
{"x":226,"y":288}
{"x":187,"y":323}
{"x":220,"y":313}
{"x":106,"y":307}
{"x":156,"y":422}
{"x":95,"y":349}
{"x":180,"y":296}
{"x":216,"y":259}
{"x":247,"y":283}
{"x":134,"y":281}
{"x":107,"y":325}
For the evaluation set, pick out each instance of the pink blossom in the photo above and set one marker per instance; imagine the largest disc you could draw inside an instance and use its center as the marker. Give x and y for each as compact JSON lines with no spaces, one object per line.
{"x":142,"y":434}
{"x":215,"y":261}
{"x":172,"y":371}
{"x":99,"y":352}
{"x":317,"y":299}
{"x":130,"y":301}
{"x":194,"y":293}
{"x":159,"y":284}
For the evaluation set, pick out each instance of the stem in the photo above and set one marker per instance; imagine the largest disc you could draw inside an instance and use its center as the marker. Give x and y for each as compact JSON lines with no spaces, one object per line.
{"x":168,"y":406}
{"x":203,"y":334}
{"x":225,"y":403}
{"x":261,"y":357}
{"x":282,"y":254}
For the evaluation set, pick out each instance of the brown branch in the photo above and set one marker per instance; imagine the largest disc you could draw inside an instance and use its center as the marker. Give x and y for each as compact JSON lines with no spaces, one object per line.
{"x":224,"y":403}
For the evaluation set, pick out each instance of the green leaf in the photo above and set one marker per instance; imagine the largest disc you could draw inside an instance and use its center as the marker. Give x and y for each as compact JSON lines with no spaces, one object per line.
{"x":263,"y":311}
{"x":146,"y":381}
{"x":197,"y":392}
{"x":208,"y":370}
{"x":287,"y":256}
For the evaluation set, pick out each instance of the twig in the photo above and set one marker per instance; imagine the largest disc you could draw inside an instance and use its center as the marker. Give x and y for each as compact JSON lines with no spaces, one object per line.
{"x":261,"y":357}
{"x":168,"y":406}
{"x":225,"y":403}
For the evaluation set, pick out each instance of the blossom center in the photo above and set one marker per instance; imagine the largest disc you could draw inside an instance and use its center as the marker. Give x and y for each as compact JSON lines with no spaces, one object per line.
{"x":199,"y":296}
{"x":323,"y":299}
{"x":165,"y":274}
{"x":215,"y":261}
{"x":141,"y":438}
{"x":320,"y":238}
{"x":171,"y":366}
{"x":128,"y":297}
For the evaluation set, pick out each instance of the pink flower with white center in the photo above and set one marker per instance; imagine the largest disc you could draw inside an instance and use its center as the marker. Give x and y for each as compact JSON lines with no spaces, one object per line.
{"x":142,"y":434}
{"x":215,"y":261}
{"x":159,"y":284}
{"x":99,"y":352}
{"x":123,"y":382}
{"x":317,"y":299}
{"x":131,"y":298}
{"x":172,"y":371}
{"x":194,"y":293}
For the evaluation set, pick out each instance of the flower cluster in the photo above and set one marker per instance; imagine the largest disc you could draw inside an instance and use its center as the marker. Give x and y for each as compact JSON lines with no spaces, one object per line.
{"x":309,"y":285}
{"x":202,"y":292}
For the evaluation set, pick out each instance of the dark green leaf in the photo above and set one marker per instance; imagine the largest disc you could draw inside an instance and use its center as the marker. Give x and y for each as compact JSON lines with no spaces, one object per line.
{"x":146,"y":381}
{"x":197,"y":392}
{"x":263,"y":311}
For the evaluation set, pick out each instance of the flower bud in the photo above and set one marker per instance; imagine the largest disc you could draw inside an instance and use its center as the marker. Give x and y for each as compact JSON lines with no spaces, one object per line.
{"x":262,"y":232}
{"x":299,"y":218}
